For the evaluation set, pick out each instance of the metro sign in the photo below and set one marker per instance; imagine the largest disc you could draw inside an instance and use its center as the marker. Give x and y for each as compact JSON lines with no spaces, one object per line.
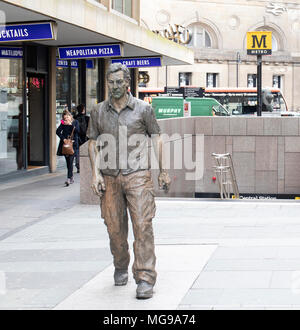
{"x":259,"y":43}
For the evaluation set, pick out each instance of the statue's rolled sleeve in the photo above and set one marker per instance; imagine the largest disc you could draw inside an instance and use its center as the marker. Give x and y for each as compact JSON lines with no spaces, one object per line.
{"x":151,"y":123}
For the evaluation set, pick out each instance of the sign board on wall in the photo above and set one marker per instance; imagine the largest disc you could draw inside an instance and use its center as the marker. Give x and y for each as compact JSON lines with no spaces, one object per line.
{"x":96,"y":51}
{"x":74,"y":64}
{"x":139,"y":62}
{"x":11,"y":52}
{"x":28,"y":32}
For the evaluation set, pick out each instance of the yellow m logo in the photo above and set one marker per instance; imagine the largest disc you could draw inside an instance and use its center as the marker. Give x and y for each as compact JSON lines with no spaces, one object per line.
{"x":260,"y":42}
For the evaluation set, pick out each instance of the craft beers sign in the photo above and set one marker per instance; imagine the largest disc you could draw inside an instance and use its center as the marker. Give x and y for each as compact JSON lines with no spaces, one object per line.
{"x":259,"y":43}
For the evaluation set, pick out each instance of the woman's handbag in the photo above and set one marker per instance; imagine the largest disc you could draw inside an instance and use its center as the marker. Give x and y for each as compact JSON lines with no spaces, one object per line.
{"x":67,"y":148}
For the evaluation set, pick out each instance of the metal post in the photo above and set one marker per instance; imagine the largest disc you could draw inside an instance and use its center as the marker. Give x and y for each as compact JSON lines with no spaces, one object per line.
{"x":238,"y":60}
{"x":166,"y":76}
{"x":259,"y":83}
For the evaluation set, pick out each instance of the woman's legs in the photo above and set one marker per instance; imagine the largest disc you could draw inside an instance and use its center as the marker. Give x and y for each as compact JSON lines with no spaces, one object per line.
{"x":77,"y":160}
{"x":69,"y":161}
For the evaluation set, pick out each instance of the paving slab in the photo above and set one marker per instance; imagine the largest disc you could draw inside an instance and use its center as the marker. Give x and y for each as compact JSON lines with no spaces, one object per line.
{"x":177,"y":268}
{"x":233,"y":280}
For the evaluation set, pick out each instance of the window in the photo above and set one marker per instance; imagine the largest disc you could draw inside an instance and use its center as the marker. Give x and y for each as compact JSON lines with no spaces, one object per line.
{"x":277,"y":81}
{"x":11,"y":115}
{"x":199,"y":37}
{"x":211,"y":79}
{"x":185,"y":79}
{"x":251,"y":80}
{"x":143,"y":78}
{"x":275,"y":37}
{"x":123,"y":6}
{"x":92,"y":83}
{"x":274,"y":43}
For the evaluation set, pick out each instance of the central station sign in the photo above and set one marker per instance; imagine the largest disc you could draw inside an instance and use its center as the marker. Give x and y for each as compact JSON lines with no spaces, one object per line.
{"x":28,"y":32}
{"x":141,"y":62}
{"x":77,"y":52}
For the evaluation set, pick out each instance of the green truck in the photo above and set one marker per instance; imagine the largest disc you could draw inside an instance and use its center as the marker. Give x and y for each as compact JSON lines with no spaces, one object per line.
{"x":176,"y":107}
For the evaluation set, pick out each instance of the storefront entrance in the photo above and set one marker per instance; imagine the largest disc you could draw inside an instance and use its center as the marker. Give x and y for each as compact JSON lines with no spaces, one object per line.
{"x":35,"y":118}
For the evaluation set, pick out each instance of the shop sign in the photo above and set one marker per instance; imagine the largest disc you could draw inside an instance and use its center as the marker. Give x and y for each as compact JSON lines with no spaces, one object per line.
{"x":74,"y":64}
{"x":96,"y":51}
{"x":259,"y":43}
{"x":28,"y":32}
{"x":11,"y":52}
{"x":140,"y":62}
{"x":65,"y":64}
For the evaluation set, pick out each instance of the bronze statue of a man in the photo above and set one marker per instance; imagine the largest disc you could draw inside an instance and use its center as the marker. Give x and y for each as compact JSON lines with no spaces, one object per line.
{"x":124,"y":184}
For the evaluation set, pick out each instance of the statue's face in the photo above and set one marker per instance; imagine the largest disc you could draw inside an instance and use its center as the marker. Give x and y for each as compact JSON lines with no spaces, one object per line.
{"x":117,"y":84}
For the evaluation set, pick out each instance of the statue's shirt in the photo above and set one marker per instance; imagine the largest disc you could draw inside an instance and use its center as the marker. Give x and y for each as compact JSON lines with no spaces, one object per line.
{"x":123,"y":137}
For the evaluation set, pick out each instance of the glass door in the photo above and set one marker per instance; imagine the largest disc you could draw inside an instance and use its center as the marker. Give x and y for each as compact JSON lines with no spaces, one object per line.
{"x":36,"y":114}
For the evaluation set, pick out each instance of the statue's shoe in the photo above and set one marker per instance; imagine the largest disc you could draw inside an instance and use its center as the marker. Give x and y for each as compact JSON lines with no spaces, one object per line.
{"x":120,"y":277}
{"x":144,"y":290}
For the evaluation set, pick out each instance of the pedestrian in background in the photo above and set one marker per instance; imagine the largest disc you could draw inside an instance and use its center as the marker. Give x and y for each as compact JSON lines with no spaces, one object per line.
{"x":64,"y":131}
{"x":83,"y":121}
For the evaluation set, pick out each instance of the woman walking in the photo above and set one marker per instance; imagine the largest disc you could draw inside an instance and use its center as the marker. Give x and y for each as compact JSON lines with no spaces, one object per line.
{"x":83,"y":121}
{"x":69,"y":127}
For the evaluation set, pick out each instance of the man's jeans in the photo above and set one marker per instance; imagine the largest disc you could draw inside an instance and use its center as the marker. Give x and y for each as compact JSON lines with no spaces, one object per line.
{"x":134,"y":191}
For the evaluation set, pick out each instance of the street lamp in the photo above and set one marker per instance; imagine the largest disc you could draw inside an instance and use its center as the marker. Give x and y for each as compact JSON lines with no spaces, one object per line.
{"x":238,"y":60}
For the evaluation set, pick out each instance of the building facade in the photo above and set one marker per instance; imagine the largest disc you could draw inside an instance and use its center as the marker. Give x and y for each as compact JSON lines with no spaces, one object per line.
{"x":53,"y":56}
{"x":217,"y":31}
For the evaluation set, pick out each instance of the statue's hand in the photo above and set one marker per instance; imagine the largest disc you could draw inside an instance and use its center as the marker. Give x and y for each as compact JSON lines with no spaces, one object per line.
{"x":164,"y":180}
{"x":98,"y":185}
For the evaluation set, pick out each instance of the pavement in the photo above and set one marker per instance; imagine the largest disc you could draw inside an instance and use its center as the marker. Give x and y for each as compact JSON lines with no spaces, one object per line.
{"x":54,"y":252}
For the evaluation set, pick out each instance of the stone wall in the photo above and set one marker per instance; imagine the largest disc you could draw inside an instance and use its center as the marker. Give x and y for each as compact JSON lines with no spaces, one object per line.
{"x":265,"y":152}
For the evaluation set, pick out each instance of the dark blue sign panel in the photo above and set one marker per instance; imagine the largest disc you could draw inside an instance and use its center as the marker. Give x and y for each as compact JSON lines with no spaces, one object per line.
{"x":141,"y":62}
{"x":26,"y":32}
{"x":61,"y":63}
{"x":89,"y":64}
{"x":11,"y":52}
{"x":90,"y":51}
{"x":74,"y":64}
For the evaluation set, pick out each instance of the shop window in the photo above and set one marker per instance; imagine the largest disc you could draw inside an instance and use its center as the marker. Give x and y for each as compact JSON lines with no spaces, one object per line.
{"x":277,"y":81}
{"x":144,"y":78}
{"x":92,"y":83}
{"x":74,"y":88}
{"x":212,"y":79}
{"x":251,"y":80}
{"x":185,"y":78}
{"x":62,"y":91}
{"x":123,"y":6}
{"x":199,"y":37}
{"x":11,"y":115}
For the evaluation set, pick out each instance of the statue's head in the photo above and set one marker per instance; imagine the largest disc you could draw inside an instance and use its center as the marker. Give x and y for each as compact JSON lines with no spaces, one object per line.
{"x":118,"y":80}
